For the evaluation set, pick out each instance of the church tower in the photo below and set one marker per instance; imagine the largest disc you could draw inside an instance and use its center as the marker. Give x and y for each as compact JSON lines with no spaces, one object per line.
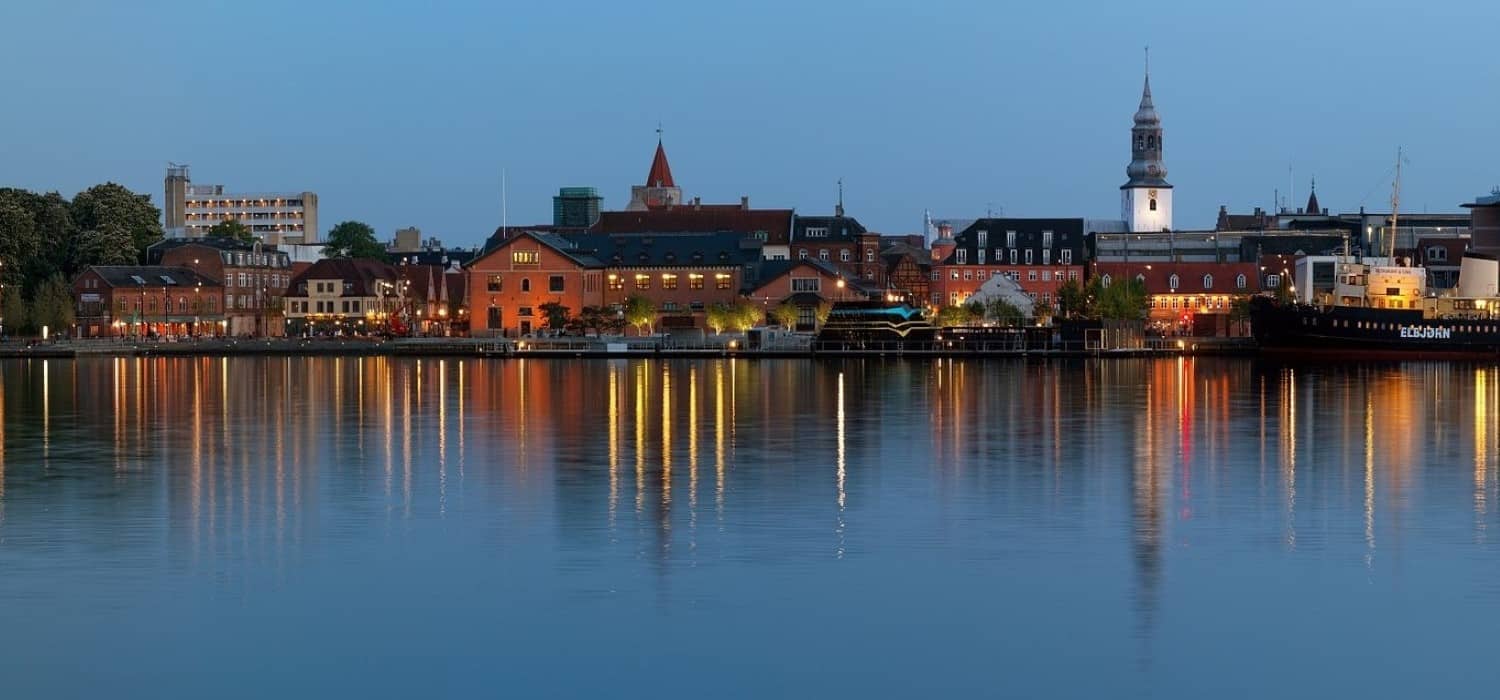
{"x":1146,"y":199}
{"x":660,"y":190}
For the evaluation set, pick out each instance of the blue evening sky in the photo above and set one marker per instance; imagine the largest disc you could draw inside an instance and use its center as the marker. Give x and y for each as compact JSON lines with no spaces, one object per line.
{"x":405,"y":113}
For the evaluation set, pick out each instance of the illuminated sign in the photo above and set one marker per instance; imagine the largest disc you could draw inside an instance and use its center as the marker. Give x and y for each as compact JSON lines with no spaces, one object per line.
{"x":1426,"y":332}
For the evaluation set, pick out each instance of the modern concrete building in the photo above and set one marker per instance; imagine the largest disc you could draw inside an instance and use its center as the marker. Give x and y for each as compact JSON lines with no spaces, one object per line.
{"x":274,"y":217}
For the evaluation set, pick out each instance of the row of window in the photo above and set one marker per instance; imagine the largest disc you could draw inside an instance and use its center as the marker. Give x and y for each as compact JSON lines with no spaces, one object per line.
{"x":240,"y":259}
{"x":1174,"y":281}
{"x":1015,"y":275}
{"x":982,"y":238}
{"x":343,"y":306}
{"x":184,"y":305}
{"x":242,"y":203}
{"x":1016,"y":256}
{"x":845,"y":255}
{"x":722,"y":280}
{"x":1188,"y":302}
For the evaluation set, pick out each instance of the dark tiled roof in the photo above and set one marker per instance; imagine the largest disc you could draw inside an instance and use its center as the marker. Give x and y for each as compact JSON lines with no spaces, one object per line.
{"x":836,"y":228}
{"x":668,"y":250}
{"x":774,"y":223}
{"x":361,"y":274}
{"x":125,"y":276}
{"x":462,"y":256}
{"x":770,"y":270}
{"x":1067,"y":234}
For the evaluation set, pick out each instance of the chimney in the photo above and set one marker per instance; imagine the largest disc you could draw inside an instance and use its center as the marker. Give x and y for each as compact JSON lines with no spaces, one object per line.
{"x":745,"y":203}
{"x":697,"y":203}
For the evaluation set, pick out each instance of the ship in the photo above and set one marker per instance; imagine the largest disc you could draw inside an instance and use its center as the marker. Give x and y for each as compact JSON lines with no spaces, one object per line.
{"x":1382,"y":308}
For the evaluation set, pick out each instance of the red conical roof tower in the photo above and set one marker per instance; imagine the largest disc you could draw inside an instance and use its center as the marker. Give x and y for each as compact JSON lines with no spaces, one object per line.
{"x":661,"y":173}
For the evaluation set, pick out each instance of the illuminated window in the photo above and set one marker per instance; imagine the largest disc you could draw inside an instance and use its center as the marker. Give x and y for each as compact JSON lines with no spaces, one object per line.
{"x":643,"y":281}
{"x":616,"y":283}
{"x":806,"y":284}
{"x":493,"y":283}
{"x":526,"y":257}
{"x":668,"y":281}
{"x":721,"y":280}
{"x":695,"y":281}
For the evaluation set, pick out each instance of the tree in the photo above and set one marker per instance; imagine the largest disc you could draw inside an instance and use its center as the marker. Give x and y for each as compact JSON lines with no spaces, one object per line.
{"x":785,"y":314}
{"x":1042,"y":311}
{"x":745,"y":315}
{"x":353,"y":239}
{"x":1072,"y":300}
{"x":54,"y":305}
{"x":1004,"y":312}
{"x":556,"y":313}
{"x":718,"y":317}
{"x":108,"y":246}
{"x":955,"y":315}
{"x":12,"y":310}
{"x":640,"y":312}
{"x":231,"y":229}
{"x":1123,"y":301}
{"x":1283,"y":292}
{"x":118,"y":214}
{"x":824,"y":310}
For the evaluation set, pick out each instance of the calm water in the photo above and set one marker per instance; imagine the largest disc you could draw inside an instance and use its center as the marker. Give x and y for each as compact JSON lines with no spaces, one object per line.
{"x":389,"y":528}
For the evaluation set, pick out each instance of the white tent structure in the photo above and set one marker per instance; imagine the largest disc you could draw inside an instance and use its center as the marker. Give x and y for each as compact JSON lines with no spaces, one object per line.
{"x":1002,"y":287}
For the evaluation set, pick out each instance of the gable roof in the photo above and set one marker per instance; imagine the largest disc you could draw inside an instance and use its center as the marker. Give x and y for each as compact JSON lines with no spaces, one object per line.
{"x":683,"y":249}
{"x":1190,"y":276}
{"x":360,"y":274}
{"x":772,"y":270}
{"x":774,"y":223}
{"x":149,"y":276}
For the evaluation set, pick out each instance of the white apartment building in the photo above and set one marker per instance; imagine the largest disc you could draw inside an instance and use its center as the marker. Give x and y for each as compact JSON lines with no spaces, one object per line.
{"x":275,"y":218}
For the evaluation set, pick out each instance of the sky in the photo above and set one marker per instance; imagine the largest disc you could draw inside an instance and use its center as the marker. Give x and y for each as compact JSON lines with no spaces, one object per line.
{"x":407,"y":113}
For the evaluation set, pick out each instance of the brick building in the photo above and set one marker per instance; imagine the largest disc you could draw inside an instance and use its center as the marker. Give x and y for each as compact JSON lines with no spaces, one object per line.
{"x":1180,"y":293}
{"x":840,"y":241}
{"x":682,"y":274}
{"x":146,"y":301}
{"x":807,"y":283}
{"x":1038,"y":254}
{"x":254,"y":278}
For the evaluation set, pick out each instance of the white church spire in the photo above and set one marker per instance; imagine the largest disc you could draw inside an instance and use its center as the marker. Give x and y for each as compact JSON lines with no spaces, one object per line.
{"x":1146,"y":198}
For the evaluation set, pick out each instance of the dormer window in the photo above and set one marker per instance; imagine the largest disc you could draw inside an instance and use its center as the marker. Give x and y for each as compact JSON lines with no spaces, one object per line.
{"x":817,"y":232}
{"x":1208,"y":281}
{"x":1239,"y":281}
{"x":1174,"y":281}
{"x":963,"y":256}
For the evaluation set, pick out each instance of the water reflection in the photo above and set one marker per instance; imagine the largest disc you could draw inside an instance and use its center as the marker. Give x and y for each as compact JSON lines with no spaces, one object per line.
{"x":1141,"y":477}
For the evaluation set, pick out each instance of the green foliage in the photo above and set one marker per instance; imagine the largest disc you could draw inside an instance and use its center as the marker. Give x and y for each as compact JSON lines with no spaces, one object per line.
{"x":1072,"y":300}
{"x":556,"y":313}
{"x":118,"y":214}
{"x":231,"y":229}
{"x":110,"y":246}
{"x":950,"y":316}
{"x":13,"y":310}
{"x":640,"y":312}
{"x":599,"y":319}
{"x":1042,"y":311}
{"x":54,"y":305}
{"x":824,"y":310}
{"x":353,"y":239}
{"x":745,"y":315}
{"x":1283,"y":291}
{"x":1124,"y":300}
{"x":718,"y":317}
{"x":1004,"y":312}
{"x":785,"y":314}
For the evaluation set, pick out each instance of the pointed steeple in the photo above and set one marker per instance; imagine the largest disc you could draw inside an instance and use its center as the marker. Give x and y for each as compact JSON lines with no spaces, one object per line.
{"x":661,"y":173}
{"x":1312,"y":199}
{"x":1146,"y":114}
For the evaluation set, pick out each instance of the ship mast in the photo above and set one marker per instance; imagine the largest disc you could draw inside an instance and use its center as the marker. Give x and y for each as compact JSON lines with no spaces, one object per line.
{"x":1395,"y":206}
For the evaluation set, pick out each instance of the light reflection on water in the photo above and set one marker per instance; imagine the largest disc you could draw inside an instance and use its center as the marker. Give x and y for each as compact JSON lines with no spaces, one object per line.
{"x":385,"y":527}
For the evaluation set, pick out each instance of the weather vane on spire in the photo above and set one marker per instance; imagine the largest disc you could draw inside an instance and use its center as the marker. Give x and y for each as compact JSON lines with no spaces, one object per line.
{"x":658,"y":131}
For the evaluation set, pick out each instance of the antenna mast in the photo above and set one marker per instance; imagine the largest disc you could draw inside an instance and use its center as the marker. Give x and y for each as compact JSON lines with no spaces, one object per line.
{"x":1395,"y":206}
{"x":504,"y":211}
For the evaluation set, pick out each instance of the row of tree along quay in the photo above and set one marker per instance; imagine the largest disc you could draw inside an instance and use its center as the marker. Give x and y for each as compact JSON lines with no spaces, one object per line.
{"x":45,"y":239}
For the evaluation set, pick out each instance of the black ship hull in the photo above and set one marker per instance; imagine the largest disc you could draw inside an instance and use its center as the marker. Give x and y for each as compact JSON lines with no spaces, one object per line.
{"x":1301,"y":330}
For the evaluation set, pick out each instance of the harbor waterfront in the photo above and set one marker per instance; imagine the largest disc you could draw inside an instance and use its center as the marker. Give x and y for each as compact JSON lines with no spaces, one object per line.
{"x":403,"y":527}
